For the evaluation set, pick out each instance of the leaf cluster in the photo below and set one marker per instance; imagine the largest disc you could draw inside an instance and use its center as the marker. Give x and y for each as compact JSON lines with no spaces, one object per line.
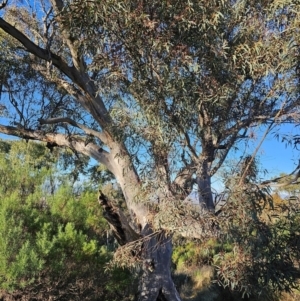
{"x":186,"y":76}
{"x":264,"y":255}
{"x":178,"y":79}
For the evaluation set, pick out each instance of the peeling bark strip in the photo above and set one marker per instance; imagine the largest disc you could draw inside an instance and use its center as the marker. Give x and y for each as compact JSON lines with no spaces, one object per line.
{"x":117,"y":221}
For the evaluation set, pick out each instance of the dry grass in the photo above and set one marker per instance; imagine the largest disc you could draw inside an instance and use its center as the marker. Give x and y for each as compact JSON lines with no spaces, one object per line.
{"x":294,"y":296}
{"x":195,"y":284}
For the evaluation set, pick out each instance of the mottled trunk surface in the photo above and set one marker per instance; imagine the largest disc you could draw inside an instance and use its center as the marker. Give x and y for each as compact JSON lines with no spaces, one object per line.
{"x":156,"y":283}
{"x":204,"y":186}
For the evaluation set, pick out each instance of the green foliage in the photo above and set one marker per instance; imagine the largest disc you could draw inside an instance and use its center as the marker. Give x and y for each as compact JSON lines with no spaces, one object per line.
{"x":193,"y":254}
{"x":46,"y":238}
{"x":82,"y":210}
{"x":169,"y":86}
{"x":264,"y":254}
{"x":176,"y":77}
{"x":256,"y":252}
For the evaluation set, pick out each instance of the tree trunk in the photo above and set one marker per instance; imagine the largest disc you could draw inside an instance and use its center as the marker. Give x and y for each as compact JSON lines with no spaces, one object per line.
{"x":204,"y":185}
{"x":156,"y":283}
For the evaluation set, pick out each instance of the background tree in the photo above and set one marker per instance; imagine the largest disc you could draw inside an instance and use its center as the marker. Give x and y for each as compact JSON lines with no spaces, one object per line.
{"x":288,"y":184}
{"x":159,"y":92}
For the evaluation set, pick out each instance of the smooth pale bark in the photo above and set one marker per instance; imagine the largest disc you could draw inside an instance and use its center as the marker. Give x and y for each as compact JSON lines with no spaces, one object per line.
{"x":61,"y":140}
{"x":117,"y":161}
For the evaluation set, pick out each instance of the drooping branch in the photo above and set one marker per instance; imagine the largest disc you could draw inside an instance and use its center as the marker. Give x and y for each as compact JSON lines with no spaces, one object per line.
{"x":88,"y":131}
{"x":276,"y":181}
{"x":92,"y":150}
{"x":267,"y":131}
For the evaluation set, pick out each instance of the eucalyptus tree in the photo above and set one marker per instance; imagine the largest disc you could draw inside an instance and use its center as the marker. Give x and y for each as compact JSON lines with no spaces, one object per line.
{"x":159,"y":92}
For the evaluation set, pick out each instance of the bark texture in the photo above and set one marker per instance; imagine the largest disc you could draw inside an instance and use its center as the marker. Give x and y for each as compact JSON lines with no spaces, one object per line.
{"x":156,"y":282}
{"x":204,"y":185}
{"x":189,"y":116}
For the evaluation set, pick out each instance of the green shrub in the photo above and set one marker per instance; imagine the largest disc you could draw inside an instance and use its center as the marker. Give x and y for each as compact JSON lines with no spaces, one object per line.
{"x":51,"y":244}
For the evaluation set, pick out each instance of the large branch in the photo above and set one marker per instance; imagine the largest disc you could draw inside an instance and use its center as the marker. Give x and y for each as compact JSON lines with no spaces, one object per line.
{"x":92,"y":150}
{"x":187,"y":221}
{"x":276,"y":182}
{"x":43,"y":54}
{"x":88,"y":131}
{"x":117,"y":163}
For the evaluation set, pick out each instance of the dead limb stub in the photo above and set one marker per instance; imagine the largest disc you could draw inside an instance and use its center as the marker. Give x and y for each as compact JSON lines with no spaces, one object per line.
{"x":123,"y":232}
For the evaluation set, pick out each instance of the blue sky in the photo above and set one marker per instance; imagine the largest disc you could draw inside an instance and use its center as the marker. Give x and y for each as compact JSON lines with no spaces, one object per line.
{"x":274,"y":155}
{"x":277,"y":156}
